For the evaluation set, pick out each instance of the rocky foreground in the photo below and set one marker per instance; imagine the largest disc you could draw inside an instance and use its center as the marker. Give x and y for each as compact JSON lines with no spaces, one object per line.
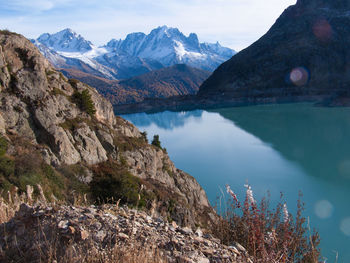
{"x":54,"y":233}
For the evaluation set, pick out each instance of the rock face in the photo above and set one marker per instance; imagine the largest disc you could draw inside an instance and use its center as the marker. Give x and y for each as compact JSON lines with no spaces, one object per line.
{"x":36,"y":104}
{"x":304,"y":56}
{"x":51,"y":112}
{"x":80,"y":230}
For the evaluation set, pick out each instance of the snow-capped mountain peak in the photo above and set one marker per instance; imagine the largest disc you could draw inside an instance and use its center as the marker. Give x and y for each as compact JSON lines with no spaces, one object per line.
{"x":169,"y":46}
{"x":138,"y":53}
{"x":66,"y":41}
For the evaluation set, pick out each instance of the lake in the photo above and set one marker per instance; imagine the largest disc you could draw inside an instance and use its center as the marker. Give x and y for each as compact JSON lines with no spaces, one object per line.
{"x":278,"y":148}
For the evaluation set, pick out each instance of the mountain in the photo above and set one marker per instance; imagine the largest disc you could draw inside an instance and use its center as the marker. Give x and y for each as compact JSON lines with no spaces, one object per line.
{"x":176,"y":80}
{"x":65,"y":41}
{"x":169,"y":46}
{"x":304,"y":56}
{"x":65,"y":61}
{"x":179,"y":79}
{"x":137,"y":54}
{"x":63,"y":135}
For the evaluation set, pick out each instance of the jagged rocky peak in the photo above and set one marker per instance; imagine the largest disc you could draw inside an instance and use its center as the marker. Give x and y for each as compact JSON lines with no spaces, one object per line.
{"x":66,"y":41}
{"x":169,"y":46}
{"x":165,"y":31}
{"x":137,"y":54}
{"x":161,"y":41}
{"x":169,"y":33}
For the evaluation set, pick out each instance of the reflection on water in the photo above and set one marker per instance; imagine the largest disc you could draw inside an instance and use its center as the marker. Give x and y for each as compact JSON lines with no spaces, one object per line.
{"x":316,"y":138}
{"x":166,"y":120}
{"x":275,"y":147}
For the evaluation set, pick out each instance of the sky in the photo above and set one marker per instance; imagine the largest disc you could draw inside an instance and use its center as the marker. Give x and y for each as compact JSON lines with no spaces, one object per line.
{"x":234,"y":23}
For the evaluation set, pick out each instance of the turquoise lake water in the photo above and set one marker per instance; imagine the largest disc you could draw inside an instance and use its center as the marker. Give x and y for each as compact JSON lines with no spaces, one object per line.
{"x":278,"y":148}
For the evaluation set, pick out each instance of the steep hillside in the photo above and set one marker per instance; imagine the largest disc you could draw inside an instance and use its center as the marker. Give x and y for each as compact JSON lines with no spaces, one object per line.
{"x":63,"y":135}
{"x":172,"y":81}
{"x":179,"y":79}
{"x":304,"y":56}
{"x":101,"y":84}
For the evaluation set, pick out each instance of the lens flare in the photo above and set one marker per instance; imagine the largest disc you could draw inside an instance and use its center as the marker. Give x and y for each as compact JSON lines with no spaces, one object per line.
{"x":345,"y":226}
{"x":323,"y":209}
{"x":299,"y":76}
{"x":344,"y":169}
{"x":322,"y":30}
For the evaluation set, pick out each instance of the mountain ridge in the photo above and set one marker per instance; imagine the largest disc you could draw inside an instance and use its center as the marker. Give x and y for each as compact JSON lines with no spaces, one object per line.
{"x":303,"y":57}
{"x":138,"y":53}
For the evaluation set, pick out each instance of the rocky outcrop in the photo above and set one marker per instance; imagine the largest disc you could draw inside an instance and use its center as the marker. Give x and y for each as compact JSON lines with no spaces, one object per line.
{"x":69,"y":123}
{"x":154,"y":165}
{"x":37,"y":102}
{"x":304,"y":56}
{"x":74,"y":232}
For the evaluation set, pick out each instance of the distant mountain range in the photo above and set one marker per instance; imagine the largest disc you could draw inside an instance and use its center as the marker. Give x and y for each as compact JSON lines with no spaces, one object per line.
{"x":137,"y":54}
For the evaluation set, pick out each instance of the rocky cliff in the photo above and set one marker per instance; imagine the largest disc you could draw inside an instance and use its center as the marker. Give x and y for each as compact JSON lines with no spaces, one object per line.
{"x":73,"y":130}
{"x":304,"y":56}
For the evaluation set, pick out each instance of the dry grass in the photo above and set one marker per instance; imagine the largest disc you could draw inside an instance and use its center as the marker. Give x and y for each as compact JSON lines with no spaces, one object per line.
{"x":270,"y":236}
{"x":10,"y":205}
{"x":51,"y":248}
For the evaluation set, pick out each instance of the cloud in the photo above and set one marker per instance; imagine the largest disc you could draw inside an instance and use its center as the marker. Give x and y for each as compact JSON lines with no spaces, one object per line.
{"x":235,"y":23}
{"x":25,"y":6}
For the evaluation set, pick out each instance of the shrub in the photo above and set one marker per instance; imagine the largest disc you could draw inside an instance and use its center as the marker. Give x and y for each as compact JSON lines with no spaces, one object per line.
{"x":50,"y":72}
{"x":27,"y":167}
{"x":73,"y":174}
{"x":72,"y":124}
{"x":268,"y":236}
{"x":144,"y":136}
{"x":112,"y":182}
{"x":7,"y":166}
{"x":3,"y":146}
{"x":156,"y":141}
{"x":84,"y":102}
{"x":73,"y":82}
{"x":125,"y":143}
{"x":7,"y":32}
{"x":57,"y":91}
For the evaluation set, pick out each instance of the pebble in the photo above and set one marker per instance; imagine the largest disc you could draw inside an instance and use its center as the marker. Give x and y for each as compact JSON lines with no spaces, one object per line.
{"x":63,"y":224}
{"x":123,"y":236}
{"x":110,"y":226}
